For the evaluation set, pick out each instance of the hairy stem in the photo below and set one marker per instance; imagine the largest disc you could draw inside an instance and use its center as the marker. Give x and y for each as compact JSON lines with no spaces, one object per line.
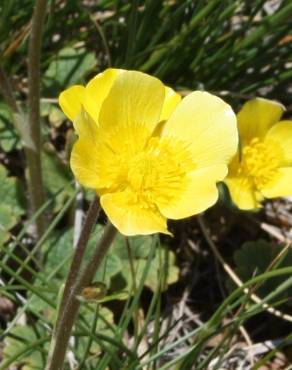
{"x":70,"y":307}
{"x":33,"y":151}
{"x":89,"y":223}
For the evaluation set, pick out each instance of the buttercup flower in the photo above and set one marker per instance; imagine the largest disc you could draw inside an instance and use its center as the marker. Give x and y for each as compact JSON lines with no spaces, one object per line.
{"x":263,"y":166}
{"x":148,"y":154}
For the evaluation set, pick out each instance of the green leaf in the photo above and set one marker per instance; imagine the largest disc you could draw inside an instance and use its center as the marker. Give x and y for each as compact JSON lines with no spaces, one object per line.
{"x":139,"y":250}
{"x":165,"y":261}
{"x":55,"y":116}
{"x":110,"y":266}
{"x":60,"y":246}
{"x":20,"y":337}
{"x":87,"y":312}
{"x":8,"y":137}
{"x":56,"y":177}
{"x":255,"y":257}
{"x":45,"y":108}
{"x":12,"y":202}
{"x":7,"y":218}
{"x":140,"y":246}
{"x":57,"y":249}
{"x":154,"y":276}
{"x":38,"y":306}
{"x":70,"y":66}
{"x":100,"y":327}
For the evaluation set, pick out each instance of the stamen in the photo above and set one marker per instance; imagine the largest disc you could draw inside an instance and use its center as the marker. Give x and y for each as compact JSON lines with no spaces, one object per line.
{"x":159,"y":172}
{"x":259,"y":163}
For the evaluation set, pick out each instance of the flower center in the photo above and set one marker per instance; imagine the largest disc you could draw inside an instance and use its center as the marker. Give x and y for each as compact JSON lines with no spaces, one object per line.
{"x":159,"y":172}
{"x":259,"y":162}
{"x":141,"y":172}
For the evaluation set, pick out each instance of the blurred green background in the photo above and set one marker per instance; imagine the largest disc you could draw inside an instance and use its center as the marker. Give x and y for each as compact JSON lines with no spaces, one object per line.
{"x":236,"y":49}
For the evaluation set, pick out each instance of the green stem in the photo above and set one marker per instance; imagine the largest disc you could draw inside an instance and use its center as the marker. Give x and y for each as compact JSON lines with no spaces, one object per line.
{"x":33,"y":152}
{"x":70,"y":308}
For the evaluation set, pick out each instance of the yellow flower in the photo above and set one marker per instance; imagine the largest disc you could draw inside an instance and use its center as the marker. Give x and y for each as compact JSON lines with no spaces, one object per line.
{"x":148,"y":154}
{"x":263,"y":167}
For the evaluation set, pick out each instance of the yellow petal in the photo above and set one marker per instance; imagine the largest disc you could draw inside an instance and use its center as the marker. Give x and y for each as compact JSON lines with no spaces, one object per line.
{"x":242,"y":193}
{"x":86,"y":127}
{"x":96,"y":167}
{"x":257,"y":116}
{"x":83,"y":164}
{"x":199,"y":193}
{"x":90,"y":97}
{"x":133,"y":105}
{"x":170,"y":102}
{"x":97,"y":90}
{"x":281,"y":135}
{"x":70,"y":101}
{"x":130,"y":217}
{"x":93,"y":161}
{"x":86,"y":153}
{"x":208,"y":125}
{"x":282,"y":186}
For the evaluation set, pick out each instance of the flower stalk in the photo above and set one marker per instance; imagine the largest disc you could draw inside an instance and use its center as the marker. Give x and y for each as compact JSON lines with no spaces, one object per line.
{"x":90,"y":221}
{"x":69,"y":306}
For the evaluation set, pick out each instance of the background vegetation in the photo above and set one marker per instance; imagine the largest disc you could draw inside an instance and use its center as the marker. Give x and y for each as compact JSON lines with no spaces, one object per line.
{"x":157,"y":302}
